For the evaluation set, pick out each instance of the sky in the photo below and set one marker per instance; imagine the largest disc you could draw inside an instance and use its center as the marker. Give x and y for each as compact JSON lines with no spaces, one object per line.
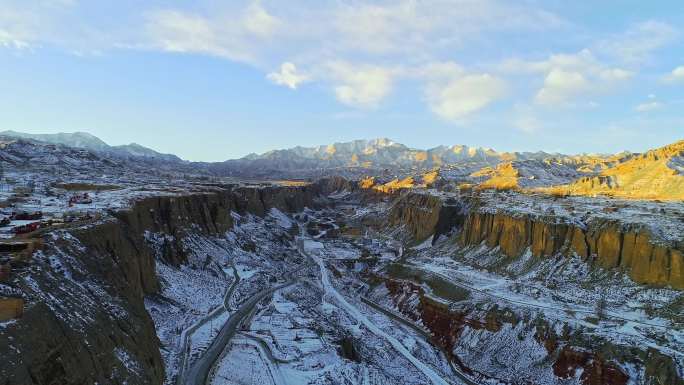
{"x":211,"y":80}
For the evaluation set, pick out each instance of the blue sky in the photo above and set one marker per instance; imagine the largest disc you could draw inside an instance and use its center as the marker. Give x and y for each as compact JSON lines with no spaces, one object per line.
{"x":213,"y":80}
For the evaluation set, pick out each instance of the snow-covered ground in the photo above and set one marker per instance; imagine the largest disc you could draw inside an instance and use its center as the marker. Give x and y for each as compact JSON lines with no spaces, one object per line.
{"x":662,"y":219}
{"x":324,"y":330}
{"x":188,"y":297}
{"x":563,"y":292}
{"x":624,"y":319}
{"x":373,"y":328}
{"x":296,"y":337}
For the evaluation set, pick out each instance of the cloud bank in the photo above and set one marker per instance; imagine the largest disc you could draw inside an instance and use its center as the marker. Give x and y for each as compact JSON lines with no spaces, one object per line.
{"x":362,"y":51}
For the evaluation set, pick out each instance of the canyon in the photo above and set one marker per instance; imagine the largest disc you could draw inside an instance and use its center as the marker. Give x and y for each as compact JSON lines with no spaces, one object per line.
{"x":153,"y":279}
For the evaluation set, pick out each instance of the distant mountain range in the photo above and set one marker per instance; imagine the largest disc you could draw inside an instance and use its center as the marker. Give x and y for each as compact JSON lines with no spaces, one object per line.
{"x":369,"y":155}
{"x":657,"y":174}
{"x":347,"y":158}
{"x":381,"y":153}
{"x":90,"y":142}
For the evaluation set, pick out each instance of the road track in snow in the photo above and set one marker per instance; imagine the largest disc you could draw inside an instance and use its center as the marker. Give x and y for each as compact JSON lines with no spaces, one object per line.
{"x":355,"y":313}
{"x":187,"y":333}
{"x":198,"y":374}
{"x":462,"y":376}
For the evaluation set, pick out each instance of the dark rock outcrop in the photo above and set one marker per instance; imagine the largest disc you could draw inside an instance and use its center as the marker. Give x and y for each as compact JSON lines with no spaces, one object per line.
{"x":423,"y":215}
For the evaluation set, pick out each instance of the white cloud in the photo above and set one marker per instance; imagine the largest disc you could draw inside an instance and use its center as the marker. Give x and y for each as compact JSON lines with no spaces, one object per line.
{"x":451,"y":92}
{"x":288,"y":76}
{"x":57,"y":23}
{"x":238,"y":36}
{"x":561,"y":86}
{"x":259,"y":22}
{"x":410,"y":31}
{"x":180,"y":32}
{"x":362,"y":86}
{"x":583,"y":62}
{"x":360,"y":38}
{"x":648,"y":106}
{"x":418,"y":27}
{"x":677,"y":75}
{"x":615,"y":74}
{"x":19,"y":26}
{"x":7,"y":40}
{"x":366,"y":35}
{"x":639,"y":41}
{"x":460,"y":97}
{"x":568,"y":76}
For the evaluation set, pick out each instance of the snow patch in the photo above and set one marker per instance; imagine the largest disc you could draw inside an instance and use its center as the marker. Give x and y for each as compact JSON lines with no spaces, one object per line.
{"x":281,"y":218}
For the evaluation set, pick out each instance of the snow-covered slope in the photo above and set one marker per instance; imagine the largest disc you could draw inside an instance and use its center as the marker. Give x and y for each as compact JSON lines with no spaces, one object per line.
{"x":71,"y":139}
{"x":677,"y":164}
{"x":83,"y":165}
{"x":90,"y":142}
{"x":656,"y":174}
{"x":370,"y":155}
{"x":526,"y":173}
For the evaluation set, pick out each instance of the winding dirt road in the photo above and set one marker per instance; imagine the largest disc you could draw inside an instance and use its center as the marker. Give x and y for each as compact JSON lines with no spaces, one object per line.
{"x":198,"y":373}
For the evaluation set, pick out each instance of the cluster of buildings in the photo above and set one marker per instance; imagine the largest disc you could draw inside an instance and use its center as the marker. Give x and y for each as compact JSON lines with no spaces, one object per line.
{"x":20,"y":225}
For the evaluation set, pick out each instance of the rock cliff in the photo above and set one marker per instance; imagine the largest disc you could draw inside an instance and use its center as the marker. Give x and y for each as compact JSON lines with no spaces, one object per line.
{"x":85,"y":321}
{"x":423,"y":215}
{"x":608,"y":244}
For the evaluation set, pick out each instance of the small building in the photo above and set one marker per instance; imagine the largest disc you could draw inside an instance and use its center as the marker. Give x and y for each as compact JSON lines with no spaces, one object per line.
{"x":28,"y":228}
{"x":80,"y":199}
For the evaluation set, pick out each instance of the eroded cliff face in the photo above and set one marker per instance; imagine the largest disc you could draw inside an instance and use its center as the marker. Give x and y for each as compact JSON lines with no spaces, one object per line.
{"x":655,"y":174}
{"x":605,"y":244}
{"x":507,"y":241}
{"x":210,"y":213}
{"x":423,"y":215}
{"x":85,"y":319}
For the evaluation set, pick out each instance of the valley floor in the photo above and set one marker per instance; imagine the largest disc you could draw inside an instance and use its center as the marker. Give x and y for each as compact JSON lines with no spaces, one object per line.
{"x":361,"y":310}
{"x":309,"y":330}
{"x":341,"y":294}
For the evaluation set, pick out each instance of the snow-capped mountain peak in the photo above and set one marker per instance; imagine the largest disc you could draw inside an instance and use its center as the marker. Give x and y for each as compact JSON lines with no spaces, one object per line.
{"x":91,"y":142}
